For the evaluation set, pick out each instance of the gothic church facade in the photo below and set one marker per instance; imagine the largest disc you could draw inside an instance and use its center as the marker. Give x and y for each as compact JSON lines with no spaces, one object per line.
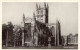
{"x":42,"y":33}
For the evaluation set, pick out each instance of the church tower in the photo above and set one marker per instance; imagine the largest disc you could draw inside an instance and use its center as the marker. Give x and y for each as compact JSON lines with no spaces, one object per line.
{"x":42,"y":13}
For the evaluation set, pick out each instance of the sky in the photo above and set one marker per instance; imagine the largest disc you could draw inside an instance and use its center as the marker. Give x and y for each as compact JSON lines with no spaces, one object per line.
{"x":65,"y":12}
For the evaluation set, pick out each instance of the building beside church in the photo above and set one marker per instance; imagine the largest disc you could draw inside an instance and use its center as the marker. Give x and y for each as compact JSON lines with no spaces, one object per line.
{"x":72,"y":39}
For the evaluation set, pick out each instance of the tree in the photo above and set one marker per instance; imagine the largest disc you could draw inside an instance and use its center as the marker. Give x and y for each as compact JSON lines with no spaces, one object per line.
{"x":17,"y":35}
{"x":4,"y":33}
{"x":10,"y":34}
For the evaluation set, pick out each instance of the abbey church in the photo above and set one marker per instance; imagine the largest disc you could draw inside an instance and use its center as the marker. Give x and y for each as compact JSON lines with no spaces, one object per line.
{"x":38,"y":31}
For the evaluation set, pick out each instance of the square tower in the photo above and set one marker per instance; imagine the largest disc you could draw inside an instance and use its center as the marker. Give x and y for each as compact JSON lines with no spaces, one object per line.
{"x":42,"y":13}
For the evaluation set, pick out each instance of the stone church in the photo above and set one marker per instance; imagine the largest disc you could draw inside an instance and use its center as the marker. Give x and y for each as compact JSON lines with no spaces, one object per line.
{"x":37,"y":30}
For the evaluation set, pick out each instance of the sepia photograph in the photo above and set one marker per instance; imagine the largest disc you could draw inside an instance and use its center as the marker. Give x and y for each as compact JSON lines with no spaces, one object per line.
{"x":39,"y":25}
